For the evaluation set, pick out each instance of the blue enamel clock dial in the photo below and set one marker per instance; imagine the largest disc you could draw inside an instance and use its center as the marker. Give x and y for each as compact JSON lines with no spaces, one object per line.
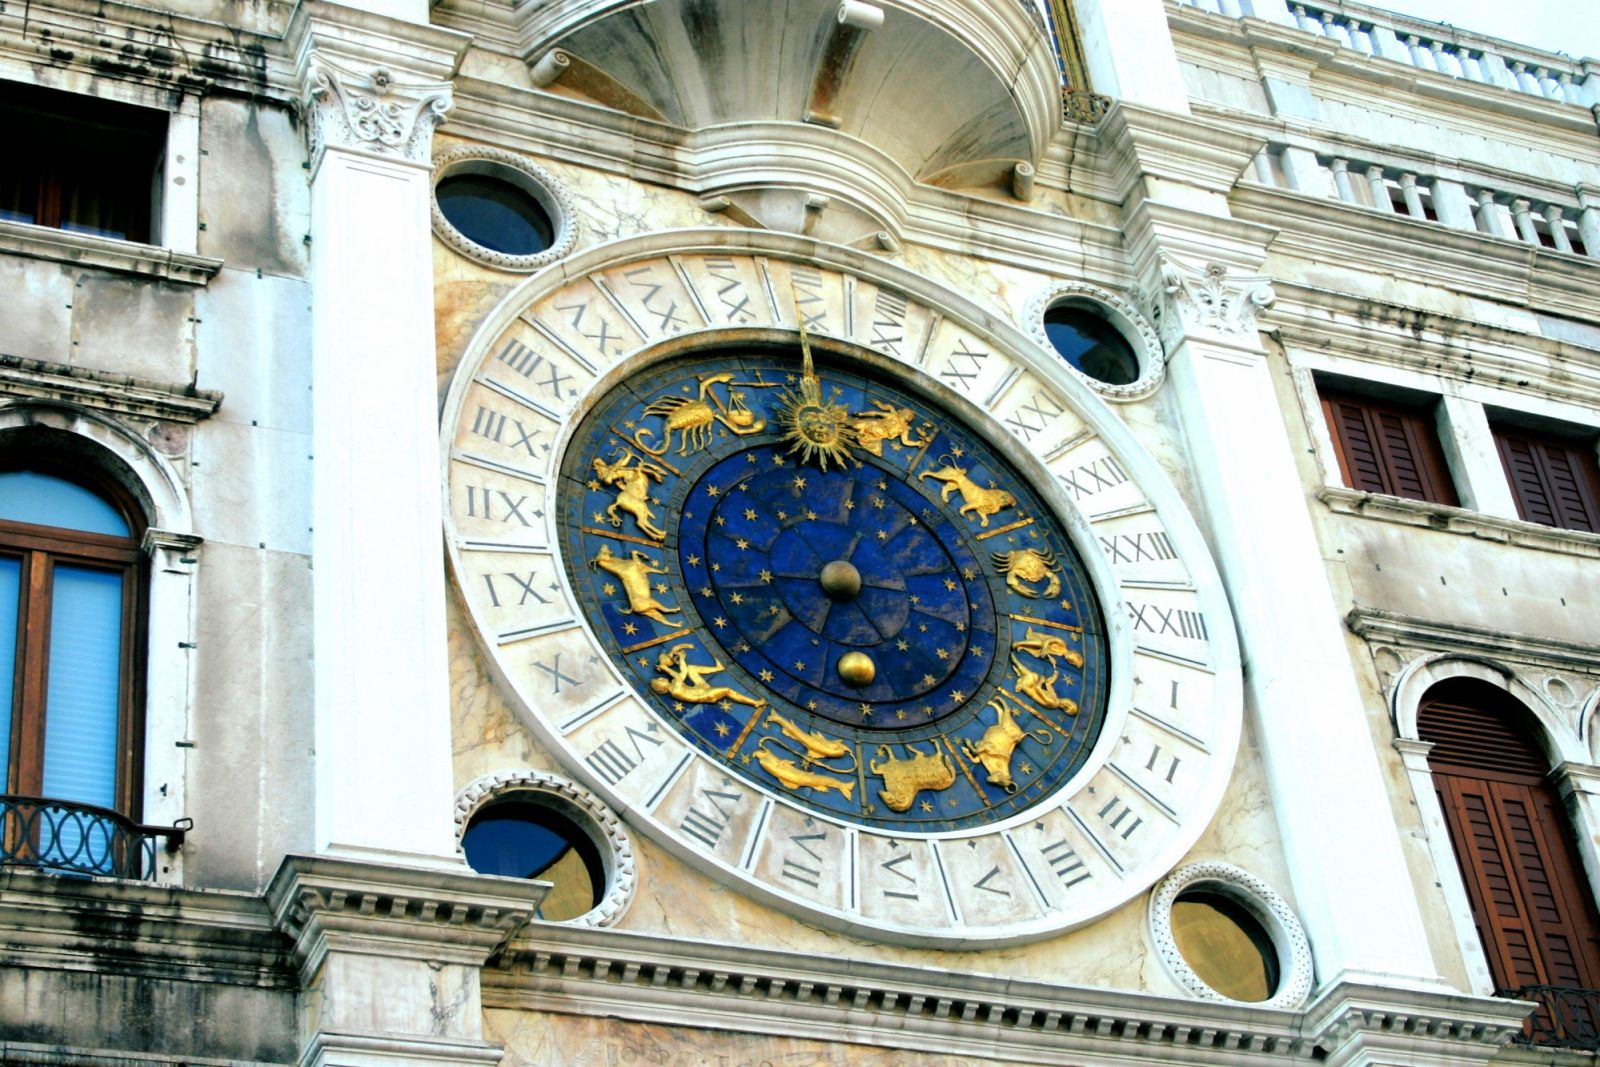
{"x":833,"y":587}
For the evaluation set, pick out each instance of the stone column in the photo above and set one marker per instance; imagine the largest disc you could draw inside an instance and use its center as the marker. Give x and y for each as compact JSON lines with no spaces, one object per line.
{"x":1128,"y":48}
{"x":1589,"y":218}
{"x":1469,"y":446}
{"x":383,"y":772}
{"x":1579,"y":784}
{"x":1338,"y":826}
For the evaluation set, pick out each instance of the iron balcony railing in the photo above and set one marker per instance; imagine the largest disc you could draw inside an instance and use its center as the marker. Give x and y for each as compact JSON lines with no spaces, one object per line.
{"x":62,"y":837}
{"x":1566,"y":1017}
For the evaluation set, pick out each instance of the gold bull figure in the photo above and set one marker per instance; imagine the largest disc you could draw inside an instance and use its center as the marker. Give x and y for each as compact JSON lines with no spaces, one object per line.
{"x":903,"y":779}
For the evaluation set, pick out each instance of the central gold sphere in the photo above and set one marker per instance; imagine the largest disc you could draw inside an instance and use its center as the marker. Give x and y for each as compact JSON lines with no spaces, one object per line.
{"x":857,"y":668}
{"x":841,"y":581}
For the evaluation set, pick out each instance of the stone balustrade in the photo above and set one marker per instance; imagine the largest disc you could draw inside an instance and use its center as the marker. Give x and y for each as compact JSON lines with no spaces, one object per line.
{"x":1571,"y":226}
{"x":1430,"y":46}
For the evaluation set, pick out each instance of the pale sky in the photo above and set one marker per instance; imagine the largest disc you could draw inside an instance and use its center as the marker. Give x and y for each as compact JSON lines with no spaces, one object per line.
{"x":1570,"y":26}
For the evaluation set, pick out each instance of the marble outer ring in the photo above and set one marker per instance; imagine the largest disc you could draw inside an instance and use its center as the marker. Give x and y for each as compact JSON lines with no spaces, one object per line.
{"x":1258,"y":898}
{"x":587,"y":811}
{"x":540,"y":183}
{"x":1100,"y":439}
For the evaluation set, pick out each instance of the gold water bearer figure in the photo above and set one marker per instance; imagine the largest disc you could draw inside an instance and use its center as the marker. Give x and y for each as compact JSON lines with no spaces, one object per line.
{"x":692,"y":419}
{"x":630,"y":476}
{"x":903,"y":779}
{"x":888,"y":423}
{"x":686,"y":681}
{"x":974,"y":498}
{"x":1029,"y":565}
{"x":634,"y":574}
{"x":995,"y":748}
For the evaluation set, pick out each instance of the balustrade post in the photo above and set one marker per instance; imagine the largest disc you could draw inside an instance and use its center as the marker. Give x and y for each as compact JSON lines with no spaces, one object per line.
{"x":1387,"y":45}
{"x":1271,"y":10}
{"x":1497,"y":72}
{"x":1413,"y":198}
{"x":1589,"y":219}
{"x":1522,"y":212}
{"x":1304,"y":173}
{"x":1489,"y":220}
{"x":1380,"y":190}
{"x":1558,"y":227}
{"x":1341,"y":180}
{"x":1230,"y":8}
{"x":1263,"y":167}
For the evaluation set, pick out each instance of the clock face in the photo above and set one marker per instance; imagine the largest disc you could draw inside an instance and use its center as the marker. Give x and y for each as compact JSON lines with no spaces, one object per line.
{"x":834,"y":590}
{"x":916,"y":644}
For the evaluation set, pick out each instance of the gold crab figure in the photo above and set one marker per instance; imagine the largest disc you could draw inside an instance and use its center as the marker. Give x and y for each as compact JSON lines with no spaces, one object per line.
{"x":692,"y":419}
{"x":630,"y":476}
{"x":1029,"y":565}
{"x":686,"y":681}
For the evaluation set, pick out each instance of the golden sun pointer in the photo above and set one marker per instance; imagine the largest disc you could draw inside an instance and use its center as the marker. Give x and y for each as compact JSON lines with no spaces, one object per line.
{"x":816,"y":429}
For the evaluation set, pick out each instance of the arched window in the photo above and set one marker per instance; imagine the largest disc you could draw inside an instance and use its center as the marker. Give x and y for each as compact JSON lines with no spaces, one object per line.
{"x":1532,"y":906}
{"x":71,"y":594}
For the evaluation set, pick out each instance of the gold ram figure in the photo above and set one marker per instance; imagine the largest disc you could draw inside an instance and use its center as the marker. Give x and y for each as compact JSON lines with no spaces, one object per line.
{"x":974,"y":498}
{"x":903,"y":779}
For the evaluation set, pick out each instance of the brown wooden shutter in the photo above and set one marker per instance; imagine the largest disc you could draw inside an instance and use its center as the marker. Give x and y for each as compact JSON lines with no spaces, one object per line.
{"x":1555,"y":480}
{"x":1531,"y":904}
{"x":1386,"y":447}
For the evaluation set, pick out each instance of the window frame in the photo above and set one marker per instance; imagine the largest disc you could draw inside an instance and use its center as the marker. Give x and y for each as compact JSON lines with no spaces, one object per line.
{"x":1585,"y":476}
{"x":1417,"y":424}
{"x":41,"y":549}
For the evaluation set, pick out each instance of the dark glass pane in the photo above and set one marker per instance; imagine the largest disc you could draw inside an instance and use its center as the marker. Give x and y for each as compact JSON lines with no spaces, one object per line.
{"x":495,"y":214}
{"x":519,"y":839}
{"x":1091,"y":344}
{"x":1225,"y":945}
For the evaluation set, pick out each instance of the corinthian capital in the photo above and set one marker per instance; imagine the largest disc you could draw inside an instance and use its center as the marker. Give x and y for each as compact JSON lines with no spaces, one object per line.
{"x":1208,"y":301}
{"x":371,"y":110}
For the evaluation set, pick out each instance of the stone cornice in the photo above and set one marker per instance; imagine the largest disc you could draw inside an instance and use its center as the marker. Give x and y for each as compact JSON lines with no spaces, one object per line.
{"x":1148,"y":143}
{"x":140,"y":929}
{"x":1447,"y":519}
{"x":118,"y":394}
{"x":739,"y":987}
{"x":327,"y":904}
{"x":106,"y":253}
{"x":649,"y":978}
{"x":1412,"y":631}
{"x":156,"y":46}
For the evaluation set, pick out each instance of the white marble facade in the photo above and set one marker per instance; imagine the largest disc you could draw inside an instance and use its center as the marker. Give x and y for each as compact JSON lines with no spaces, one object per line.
{"x":289,"y":374}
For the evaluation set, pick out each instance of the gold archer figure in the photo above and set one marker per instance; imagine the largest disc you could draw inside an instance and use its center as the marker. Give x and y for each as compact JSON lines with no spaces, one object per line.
{"x":630,"y":476}
{"x":634,"y":574}
{"x":686,"y":681}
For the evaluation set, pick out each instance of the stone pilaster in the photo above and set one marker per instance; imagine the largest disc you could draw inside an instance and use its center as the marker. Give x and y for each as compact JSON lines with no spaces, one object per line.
{"x":383,"y":774}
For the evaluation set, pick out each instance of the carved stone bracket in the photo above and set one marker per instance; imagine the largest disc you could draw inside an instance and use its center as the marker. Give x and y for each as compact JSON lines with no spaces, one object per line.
{"x":1207,"y":301}
{"x":335,"y":905}
{"x":371,"y":110}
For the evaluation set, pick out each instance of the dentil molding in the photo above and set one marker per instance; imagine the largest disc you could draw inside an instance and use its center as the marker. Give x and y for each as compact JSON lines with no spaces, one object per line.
{"x":1207,"y":301}
{"x":371,"y":109}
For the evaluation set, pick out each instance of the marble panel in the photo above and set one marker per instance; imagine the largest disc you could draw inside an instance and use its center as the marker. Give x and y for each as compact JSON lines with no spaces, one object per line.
{"x":254,"y":346}
{"x":252,"y":486}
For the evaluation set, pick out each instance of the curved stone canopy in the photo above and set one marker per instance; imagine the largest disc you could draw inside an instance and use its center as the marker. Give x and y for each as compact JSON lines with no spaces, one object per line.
{"x":952,"y":91}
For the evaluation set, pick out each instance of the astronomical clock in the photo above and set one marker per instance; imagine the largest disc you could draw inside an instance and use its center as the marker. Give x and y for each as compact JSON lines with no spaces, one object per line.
{"x":870,"y":611}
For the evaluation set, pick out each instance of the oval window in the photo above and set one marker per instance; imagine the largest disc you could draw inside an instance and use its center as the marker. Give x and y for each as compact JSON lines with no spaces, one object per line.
{"x":495,"y":213}
{"x":1226,"y":945}
{"x":521,"y":838}
{"x":1091,"y":344}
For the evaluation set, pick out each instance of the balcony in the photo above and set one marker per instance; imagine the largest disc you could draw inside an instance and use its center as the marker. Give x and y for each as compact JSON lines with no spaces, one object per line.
{"x":60,"y":837}
{"x":1566,"y":1017}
